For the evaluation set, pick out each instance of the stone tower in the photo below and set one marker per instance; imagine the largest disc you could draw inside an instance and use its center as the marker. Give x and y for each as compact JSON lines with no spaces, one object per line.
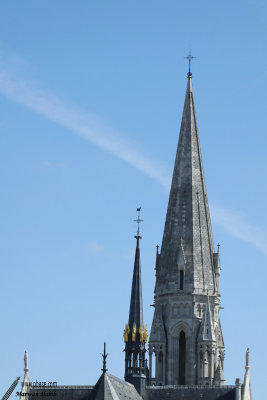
{"x":135,"y":333}
{"x":186,"y":344}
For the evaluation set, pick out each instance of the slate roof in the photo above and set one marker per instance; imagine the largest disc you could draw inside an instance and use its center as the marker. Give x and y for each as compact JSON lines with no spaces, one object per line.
{"x":191,"y":393}
{"x":109,"y":387}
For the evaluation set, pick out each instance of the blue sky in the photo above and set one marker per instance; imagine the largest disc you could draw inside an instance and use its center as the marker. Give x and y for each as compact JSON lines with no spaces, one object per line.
{"x":91,"y":97}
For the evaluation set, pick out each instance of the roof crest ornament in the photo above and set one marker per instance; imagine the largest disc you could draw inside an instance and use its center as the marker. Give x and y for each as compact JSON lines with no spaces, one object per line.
{"x":189,"y":58}
{"x":104,"y":355}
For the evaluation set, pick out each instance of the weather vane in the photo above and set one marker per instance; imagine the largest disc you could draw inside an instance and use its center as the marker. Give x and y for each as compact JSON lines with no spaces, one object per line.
{"x":104,"y":355}
{"x":138,"y":220}
{"x":189,"y":58}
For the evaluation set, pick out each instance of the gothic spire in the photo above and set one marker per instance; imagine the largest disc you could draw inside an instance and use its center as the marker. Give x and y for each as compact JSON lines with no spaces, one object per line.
{"x":188,"y":219}
{"x":136,"y":304}
{"x":135,"y":333}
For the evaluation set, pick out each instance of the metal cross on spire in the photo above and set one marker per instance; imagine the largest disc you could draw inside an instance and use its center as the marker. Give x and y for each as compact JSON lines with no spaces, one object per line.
{"x":104,"y":355}
{"x":138,"y":220}
{"x":189,"y":58}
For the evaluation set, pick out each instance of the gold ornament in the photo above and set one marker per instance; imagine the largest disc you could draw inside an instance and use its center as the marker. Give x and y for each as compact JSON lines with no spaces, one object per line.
{"x":141,"y":333}
{"x":126,"y":333}
{"x":145,"y":334}
{"x":134,"y":333}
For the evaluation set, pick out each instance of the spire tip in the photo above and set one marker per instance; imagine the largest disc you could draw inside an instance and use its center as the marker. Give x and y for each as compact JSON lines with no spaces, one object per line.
{"x":138,"y":221}
{"x":26,"y":366}
{"x":189,"y":58}
{"x":104,"y":355}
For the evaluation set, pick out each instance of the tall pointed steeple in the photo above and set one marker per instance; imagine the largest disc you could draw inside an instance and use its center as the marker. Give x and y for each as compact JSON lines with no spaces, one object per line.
{"x":187,"y":280}
{"x":135,"y":333}
{"x":188,"y":217}
{"x":136,"y":304}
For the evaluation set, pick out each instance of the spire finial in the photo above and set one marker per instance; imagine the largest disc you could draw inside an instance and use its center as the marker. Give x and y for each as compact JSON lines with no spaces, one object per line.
{"x":138,"y":221}
{"x":189,"y":58}
{"x":26,"y":366}
{"x":104,"y":355}
{"x":247,"y":359}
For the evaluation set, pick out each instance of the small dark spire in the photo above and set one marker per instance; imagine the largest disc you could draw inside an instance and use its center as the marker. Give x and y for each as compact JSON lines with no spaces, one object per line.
{"x":135,"y":333}
{"x":104,"y":355}
{"x":189,"y":58}
{"x":136,"y":304}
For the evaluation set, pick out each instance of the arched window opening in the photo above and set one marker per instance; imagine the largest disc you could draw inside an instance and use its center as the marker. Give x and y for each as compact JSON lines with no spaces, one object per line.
{"x":206,"y":365}
{"x":181,"y":283}
{"x":140,"y":360}
{"x":136,"y":359}
{"x":160,"y":365}
{"x":200,"y":371}
{"x":153,"y":372}
{"x":182,"y":349}
{"x":130,"y":360}
{"x":199,"y":310}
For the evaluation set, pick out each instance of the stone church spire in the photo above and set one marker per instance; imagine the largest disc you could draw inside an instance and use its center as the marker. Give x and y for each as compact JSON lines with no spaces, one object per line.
{"x":135,"y":333}
{"x":136,"y":303}
{"x":188,"y":217}
{"x":187,"y":294}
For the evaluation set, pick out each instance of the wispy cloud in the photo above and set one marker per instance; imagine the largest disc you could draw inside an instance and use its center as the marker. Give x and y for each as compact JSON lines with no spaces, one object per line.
{"x":94,"y":247}
{"x":236,"y":225}
{"x":32,"y":95}
{"x":16,"y":86}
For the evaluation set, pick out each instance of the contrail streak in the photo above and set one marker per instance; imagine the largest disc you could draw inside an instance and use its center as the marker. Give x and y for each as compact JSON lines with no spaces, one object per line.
{"x":24,"y":91}
{"x":79,"y":121}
